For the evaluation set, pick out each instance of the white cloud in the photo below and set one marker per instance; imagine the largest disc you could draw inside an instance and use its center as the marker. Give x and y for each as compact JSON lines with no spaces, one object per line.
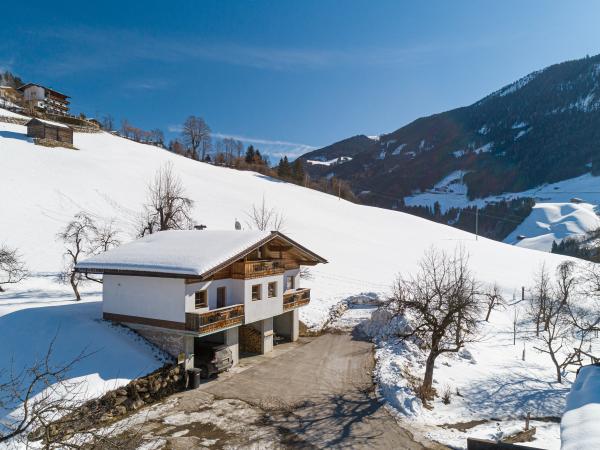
{"x":85,"y":49}
{"x":272,"y":147}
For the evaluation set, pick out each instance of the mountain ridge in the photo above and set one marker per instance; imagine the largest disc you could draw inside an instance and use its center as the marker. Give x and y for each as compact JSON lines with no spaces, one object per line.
{"x":539,"y":129}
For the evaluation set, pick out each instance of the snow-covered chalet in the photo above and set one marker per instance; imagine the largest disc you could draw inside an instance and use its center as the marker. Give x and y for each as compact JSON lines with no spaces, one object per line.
{"x":177,"y":288}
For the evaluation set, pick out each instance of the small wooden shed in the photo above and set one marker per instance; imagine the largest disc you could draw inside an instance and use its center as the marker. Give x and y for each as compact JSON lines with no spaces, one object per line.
{"x":50,"y":131}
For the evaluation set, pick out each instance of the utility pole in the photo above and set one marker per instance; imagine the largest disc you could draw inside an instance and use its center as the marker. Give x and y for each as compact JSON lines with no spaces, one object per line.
{"x":476,"y":222}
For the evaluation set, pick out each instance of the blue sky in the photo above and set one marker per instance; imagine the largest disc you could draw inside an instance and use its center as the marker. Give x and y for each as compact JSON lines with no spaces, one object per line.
{"x":288,"y":75}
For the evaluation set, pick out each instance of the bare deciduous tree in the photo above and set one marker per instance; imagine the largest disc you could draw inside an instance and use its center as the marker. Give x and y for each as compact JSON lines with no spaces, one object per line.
{"x":157,"y":137}
{"x":194,"y":132}
{"x":441,"y":301}
{"x":108,"y":123}
{"x":167,"y":206}
{"x":49,"y":403}
{"x":566,"y":324}
{"x":82,"y":237}
{"x":265,"y":218}
{"x":205,"y":147}
{"x":493,"y":298}
{"x":12,"y":267}
{"x":539,"y":297}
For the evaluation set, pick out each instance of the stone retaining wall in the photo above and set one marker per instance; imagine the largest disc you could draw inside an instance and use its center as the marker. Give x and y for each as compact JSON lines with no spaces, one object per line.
{"x":115,"y":404}
{"x":15,"y":120}
{"x":52,"y":143}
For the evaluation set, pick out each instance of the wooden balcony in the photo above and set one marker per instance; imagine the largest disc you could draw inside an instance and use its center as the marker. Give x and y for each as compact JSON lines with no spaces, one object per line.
{"x":215,"y":320}
{"x":295,"y":299}
{"x":255,"y":269}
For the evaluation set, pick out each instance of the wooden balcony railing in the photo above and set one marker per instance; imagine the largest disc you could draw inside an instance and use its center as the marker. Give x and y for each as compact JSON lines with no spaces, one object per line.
{"x":255,"y":269}
{"x":299,"y":297}
{"x":215,"y":320}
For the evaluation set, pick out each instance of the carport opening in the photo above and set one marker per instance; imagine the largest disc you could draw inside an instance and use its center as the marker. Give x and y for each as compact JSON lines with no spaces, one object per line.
{"x":202,"y":346}
{"x":283,"y":328}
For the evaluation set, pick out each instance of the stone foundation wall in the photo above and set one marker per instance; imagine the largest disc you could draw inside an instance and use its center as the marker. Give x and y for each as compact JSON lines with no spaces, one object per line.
{"x":52,"y":143}
{"x":169,"y":341}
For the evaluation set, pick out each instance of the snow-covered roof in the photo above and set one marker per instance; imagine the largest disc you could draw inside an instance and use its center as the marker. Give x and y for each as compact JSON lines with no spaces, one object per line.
{"x":579,"y":427}
{"x":184,"y":253}
{"x":48,"y":122}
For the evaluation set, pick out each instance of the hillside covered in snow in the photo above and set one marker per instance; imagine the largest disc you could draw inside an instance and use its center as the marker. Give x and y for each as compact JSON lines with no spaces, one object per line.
{"x":536,"y":132}
{"x":108,"y":176}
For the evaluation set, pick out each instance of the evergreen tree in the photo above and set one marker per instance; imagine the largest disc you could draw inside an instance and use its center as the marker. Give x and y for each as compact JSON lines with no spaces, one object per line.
{"x":258,"y":159}
{"x":437,"y":210}
{"x":298,"y":171}
{"x":250,"y":154}
{"x":284,"y":170}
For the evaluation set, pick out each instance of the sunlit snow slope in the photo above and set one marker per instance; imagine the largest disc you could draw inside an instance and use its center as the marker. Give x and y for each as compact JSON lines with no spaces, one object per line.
{"x":44,"y":187}
{"x":549,"y":222}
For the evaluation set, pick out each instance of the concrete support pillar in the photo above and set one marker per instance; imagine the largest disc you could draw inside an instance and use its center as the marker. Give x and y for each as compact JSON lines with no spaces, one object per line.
{"x":232,"y":341}
{"x":267,"y":335}
{"x":188,"y":349}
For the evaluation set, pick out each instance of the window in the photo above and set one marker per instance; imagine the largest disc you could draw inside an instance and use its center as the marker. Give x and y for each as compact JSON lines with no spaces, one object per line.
{"x":256,"y":292}
{"x":289,"y":283}
{"x":221,"y":297}
{"x":200,"y":299}
{"x":273,"y":289}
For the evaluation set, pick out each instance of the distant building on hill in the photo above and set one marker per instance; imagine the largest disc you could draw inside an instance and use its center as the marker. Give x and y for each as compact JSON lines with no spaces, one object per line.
{"x":49,"y":131}
{"x":46,"y":99}
{"x":9,"y":96}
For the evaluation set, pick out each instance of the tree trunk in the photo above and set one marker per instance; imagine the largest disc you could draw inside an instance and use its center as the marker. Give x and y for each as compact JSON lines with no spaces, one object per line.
{"x":428,"y":379}
{"x":74,"y":286}
{"x":487,"y":316}
{"x":557,"y":366}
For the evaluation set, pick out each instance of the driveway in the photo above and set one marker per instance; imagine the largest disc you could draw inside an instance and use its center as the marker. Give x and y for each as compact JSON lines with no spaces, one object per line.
{"x":314,"y":393}
{"x":322,"y":393}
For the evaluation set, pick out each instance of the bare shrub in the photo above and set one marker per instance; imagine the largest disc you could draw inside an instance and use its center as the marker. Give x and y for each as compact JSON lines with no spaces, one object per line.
{"x":167,"y":206}
{"x":12,"y":267}
{"x":494,"y":300}
{"x":446,"y":395}
{"x":264,"y":218}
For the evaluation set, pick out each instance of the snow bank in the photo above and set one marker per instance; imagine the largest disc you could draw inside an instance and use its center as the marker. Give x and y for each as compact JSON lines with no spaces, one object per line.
{"x":580,"y":424}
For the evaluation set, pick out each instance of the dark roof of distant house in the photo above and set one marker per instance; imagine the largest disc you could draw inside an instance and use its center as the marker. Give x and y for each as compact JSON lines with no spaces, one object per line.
{"x":46,"y":88}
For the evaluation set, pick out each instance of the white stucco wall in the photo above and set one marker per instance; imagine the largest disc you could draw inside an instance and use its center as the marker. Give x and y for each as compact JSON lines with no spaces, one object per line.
{"x":151,"y":297}
{"x":34,"y":93}
{"x":234,"y":293}
{"x":267,"y":306}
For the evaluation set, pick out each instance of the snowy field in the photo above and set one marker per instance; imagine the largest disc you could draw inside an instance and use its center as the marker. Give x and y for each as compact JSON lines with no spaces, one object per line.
{"x":552,"y":222}
{"x":553,"y":218}
{"x":107,"y":177}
